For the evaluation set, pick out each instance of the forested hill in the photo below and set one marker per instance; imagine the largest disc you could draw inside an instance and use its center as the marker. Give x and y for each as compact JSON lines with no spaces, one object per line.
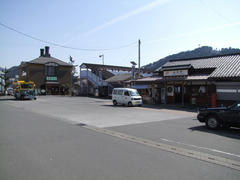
{"x":198,"y":52}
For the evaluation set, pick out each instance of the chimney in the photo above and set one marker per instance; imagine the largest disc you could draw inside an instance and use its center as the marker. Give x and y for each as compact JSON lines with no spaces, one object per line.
{"x":41,"y":52}
{"x":47,"y":51}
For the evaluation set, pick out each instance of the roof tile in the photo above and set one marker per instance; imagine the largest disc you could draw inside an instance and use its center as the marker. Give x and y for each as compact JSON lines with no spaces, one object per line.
{"x":227,"y":66}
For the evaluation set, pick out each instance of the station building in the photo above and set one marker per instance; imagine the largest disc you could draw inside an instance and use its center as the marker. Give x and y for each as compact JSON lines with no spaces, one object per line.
{"x":100,"y":79}
{"x":51,"y":76}
{"x":206,"y":81}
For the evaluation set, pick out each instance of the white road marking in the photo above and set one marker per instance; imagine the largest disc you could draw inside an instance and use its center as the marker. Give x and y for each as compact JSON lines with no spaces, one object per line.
{"x":199,"y":147}
{"x":233,"y":164}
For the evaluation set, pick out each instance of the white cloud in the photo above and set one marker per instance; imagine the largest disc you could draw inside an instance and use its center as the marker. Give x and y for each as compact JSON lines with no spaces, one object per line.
{"x":124,"y":17}
{"x":128,"y":15}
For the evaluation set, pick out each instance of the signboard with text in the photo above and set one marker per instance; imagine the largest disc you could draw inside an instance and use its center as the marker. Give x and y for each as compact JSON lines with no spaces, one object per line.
{"x":51,"y":78}
{"x":182,"y":72}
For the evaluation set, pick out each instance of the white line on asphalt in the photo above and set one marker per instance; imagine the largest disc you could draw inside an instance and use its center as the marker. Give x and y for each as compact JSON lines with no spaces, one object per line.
{"x":199,"y":147}
{"x":233,"y":164}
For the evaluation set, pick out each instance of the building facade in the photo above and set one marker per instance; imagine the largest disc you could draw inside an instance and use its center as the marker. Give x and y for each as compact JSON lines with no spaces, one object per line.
{"x":51,"y":76}
{"x":207,"y":81}
{"x":2,"y":83}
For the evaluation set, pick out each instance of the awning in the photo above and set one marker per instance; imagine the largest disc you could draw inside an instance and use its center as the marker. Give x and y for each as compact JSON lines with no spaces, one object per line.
{"x":140,"y":86}
{"x":148,"y":79}
{"x":48,"y":82}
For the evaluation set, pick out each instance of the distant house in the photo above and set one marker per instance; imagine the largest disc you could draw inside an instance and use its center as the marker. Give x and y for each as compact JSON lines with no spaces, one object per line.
{"x":51,"y":76}
{"x":2,"y":83}
{"x":119,"y":80}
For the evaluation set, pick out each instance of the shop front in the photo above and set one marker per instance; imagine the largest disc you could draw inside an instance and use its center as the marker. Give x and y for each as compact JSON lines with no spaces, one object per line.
{"x":149,"y":88}
{"x":190,"y":92}
{"x":145,"y":91}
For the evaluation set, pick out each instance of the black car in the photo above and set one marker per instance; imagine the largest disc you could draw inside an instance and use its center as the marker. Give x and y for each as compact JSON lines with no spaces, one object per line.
{"x":220,"y":116}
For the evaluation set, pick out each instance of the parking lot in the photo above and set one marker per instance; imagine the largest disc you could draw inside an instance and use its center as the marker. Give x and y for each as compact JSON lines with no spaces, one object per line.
{"x":96,"y":112}
{"x":159,"y":124}
{"x":176,"y":128}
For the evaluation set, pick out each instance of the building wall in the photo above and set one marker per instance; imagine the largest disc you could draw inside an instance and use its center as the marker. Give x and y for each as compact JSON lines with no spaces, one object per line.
{"x":227,"y":92}
{"x":64,"y":75}
{"x":1,"y":84}
{"x":36,"y":73}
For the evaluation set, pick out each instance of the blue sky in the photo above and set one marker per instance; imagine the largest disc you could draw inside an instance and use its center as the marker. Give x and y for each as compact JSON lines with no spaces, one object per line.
{"x":164,"y":27}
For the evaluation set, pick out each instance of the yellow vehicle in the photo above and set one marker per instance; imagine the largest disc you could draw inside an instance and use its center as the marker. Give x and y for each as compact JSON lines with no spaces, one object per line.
{"x":24,"y":90}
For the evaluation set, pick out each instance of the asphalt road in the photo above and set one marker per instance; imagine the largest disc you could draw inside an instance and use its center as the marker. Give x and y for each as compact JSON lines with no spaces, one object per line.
{"x":92,"y":111}
{"x":43,"y":140}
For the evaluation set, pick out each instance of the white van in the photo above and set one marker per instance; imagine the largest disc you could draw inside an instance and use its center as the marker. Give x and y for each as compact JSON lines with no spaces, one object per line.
{"x":126,"y":96}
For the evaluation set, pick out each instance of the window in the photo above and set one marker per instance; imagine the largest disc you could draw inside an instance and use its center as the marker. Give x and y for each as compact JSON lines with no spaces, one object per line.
{"x":114,"y":91}
{"x":134,"y":93}
{"x":126,"y":93}
{"x":236,"y":107}
{"x":51,"y":69}
{"x":120,"y":92}
{"x":202,"y":89}
{"x":26,"y":86}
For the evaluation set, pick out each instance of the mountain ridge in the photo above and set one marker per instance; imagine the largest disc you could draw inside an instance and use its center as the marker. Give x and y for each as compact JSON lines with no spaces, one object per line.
{"x":204,"y":51}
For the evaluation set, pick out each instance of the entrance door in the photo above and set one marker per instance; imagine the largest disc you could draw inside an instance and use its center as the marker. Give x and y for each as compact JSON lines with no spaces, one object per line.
{"x":163,"y":100}
{"x":178,"y":94}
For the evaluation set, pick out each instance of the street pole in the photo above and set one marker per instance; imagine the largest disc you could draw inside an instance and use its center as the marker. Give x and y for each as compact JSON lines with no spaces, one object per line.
{"x":102,"y":56}
{"x":103,"y":59}
{"x":139,"y":44}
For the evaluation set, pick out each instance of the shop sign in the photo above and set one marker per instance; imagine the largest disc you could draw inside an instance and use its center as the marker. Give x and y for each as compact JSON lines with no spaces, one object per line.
{"x":51,"y":78}
{"x":182,"y":72}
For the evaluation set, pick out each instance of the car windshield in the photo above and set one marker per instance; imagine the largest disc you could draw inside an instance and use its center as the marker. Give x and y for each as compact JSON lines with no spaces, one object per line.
{"x":26,"y":86}
{"x":235,"y":105}
{"x":134,"y":93}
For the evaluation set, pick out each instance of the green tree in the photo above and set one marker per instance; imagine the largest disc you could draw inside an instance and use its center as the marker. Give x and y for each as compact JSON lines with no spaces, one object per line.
{"x":73,"y":73}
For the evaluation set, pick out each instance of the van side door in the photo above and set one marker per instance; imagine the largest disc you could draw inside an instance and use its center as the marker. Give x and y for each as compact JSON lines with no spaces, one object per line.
{"x":126,"y":97}
{"x":120,"y":96}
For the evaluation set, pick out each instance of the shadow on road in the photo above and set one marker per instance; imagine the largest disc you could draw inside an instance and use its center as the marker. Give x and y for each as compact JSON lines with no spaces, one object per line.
{"x":230,"y":133}
{"x":118,"y":106}
{"x":162,"y":106}
{"x":170,"y":107}
{"x":7,"y":99}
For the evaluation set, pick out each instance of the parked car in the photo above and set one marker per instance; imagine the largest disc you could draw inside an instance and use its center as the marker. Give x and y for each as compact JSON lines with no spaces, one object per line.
{"x":126,"y":96}
{"x":220,"y":116}
{"x":9,"y":92}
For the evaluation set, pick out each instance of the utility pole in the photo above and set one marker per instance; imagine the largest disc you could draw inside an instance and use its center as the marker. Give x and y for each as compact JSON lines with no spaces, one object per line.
{"x":139,"y":44}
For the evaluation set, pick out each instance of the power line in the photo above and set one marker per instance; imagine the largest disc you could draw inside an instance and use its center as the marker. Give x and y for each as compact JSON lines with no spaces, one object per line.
{"x":63,"y":46}
{"x":215,"y":11}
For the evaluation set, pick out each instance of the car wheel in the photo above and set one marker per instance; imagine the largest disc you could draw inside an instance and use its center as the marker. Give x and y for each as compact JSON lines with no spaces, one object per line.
{"x":212,"y":122}
{"x":130,"y":104}
{"x":114,"y":102}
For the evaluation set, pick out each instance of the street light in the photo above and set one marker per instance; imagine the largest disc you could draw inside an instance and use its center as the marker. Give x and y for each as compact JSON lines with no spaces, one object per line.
{"x":102,"y":56}
{"x":133,"y":69}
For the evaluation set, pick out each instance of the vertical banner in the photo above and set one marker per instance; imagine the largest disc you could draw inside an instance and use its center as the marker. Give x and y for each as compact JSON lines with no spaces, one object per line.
{"x":133,"y":72}
{"x":100,"y":75}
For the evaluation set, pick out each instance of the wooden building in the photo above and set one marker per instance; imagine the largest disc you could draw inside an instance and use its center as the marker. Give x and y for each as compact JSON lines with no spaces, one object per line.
{"x":205,"y":81}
